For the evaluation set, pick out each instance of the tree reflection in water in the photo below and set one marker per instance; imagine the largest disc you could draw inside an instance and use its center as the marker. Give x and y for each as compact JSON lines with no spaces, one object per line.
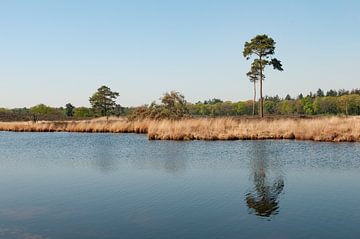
{"x":263,"y":199}
{"x":104,"y":155}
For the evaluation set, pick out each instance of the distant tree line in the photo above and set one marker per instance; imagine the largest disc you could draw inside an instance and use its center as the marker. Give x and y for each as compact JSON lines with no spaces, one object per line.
{"x":341,"y":102}
{"x":172,"y":105}
{"x":45,"y":112}
{"x":103,"y":103}
{"x":332,"y":102}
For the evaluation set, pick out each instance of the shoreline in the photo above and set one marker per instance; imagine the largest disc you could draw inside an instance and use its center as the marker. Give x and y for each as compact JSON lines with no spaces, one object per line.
{"x":326,"y":128}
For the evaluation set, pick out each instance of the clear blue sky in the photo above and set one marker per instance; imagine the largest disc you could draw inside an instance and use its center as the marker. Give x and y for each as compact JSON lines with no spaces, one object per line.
{"x":55,"y":52}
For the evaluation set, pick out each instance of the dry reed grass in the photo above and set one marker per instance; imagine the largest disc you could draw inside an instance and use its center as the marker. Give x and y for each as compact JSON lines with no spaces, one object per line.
{"x":333,"y":129}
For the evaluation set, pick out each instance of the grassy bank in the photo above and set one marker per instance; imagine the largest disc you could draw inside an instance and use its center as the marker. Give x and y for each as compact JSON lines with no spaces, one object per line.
{"x":332,"y":129}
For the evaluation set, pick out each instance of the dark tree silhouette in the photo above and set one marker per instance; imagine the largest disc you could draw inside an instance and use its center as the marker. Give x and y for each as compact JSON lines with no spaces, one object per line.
{"x":69,"y":110}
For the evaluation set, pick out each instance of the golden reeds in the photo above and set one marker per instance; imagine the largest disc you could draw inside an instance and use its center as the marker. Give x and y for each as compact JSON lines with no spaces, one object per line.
{"x":334,"y":129}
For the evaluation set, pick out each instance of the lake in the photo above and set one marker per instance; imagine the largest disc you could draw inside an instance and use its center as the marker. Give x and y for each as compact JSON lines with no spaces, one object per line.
{"x":73,"y":185}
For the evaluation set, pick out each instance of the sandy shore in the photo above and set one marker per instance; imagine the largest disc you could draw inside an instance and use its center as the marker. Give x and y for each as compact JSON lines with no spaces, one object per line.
{"x":331,"y":129}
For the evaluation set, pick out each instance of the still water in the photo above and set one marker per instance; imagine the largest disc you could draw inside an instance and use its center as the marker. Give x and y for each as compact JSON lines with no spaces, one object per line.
{"x":71,"y":185}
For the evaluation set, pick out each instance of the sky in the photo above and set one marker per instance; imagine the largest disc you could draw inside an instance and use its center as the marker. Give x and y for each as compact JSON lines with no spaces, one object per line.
{"x":55,"y":52}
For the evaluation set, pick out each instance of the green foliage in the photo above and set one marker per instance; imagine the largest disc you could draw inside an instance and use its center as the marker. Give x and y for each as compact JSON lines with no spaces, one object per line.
{"x":83,"y":112}
{"x":3,"y":110}
{"x":69,"y":110}
{"x":355,"y":91}
{"x":331,"y":93}
{"x":325,"y":105}
{"x":254,"y":73}
{"x":343,"y":92}
{"x":270,"y":106}
{"x":349,"y":104}
{"x":213,"y":101}
{"x":44,"y":112}
{"x":103,"y":101}
{"x":204,"y":110}
{"x":226,"y":108}
{"x":174,"y":104}
{"x":119,"y":110}
{"x":307,"y":105}
{"x":244,"y":107}
{"x":311,"y":104}
{"x":286,"y":107}
{"x":263,"y":47}
{"x":320,"y":93}
{"x":17,"y":114}
{"x":42,"y":109}
{"x":276,"y":64}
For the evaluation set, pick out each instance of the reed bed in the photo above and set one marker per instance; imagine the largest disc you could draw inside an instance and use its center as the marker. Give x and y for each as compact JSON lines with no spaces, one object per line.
{"x":100,"y":125}
{"x":332,"y":129}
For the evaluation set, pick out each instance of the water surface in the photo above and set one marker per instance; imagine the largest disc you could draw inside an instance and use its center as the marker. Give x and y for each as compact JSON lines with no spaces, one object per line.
{"x":71,"y":185}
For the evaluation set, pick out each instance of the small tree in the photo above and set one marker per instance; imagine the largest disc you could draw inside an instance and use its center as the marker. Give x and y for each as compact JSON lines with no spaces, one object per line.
{"x":320,"y":93}
{"x":175,"y":104}
{"x":69,"y":110}
{"x":287,"y":97}
{"x":45,"y":112}
{"x":103,"y":101}
{"x":264,"y":48}
{"x":307,"y":105}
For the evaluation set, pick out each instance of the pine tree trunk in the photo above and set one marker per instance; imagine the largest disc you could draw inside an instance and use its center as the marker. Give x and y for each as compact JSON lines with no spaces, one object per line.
{"x":254,"y":97}
{"x":261,"y":96}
